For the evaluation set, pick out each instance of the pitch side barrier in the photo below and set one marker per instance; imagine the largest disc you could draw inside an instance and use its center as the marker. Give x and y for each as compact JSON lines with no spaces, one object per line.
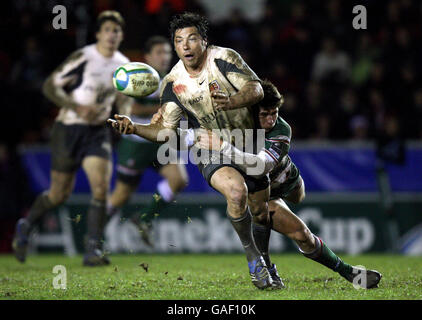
{"x":351,"y":221}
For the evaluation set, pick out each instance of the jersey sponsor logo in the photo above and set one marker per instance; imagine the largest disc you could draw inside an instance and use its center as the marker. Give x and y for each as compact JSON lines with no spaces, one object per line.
{"x":195,"y":100}
{"x":208,"y":118}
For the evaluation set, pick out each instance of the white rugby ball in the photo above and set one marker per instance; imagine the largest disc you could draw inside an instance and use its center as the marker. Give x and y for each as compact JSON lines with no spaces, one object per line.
{"x":136,"y":79}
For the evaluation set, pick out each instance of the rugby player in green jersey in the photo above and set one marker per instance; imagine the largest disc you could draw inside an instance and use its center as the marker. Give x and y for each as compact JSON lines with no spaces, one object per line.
{"x":286,"y":184}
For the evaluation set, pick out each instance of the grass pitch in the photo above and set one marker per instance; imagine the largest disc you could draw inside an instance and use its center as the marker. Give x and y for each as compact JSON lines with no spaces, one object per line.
{"x":202,"y":277}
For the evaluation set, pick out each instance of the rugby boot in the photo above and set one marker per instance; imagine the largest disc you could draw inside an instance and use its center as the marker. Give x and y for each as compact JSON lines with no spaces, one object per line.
{"x":259,"y":273}
{"x":366,"y":279}
{"x":277,"y":282}
{"x":94,"y":256}
{"x":21,"y":239}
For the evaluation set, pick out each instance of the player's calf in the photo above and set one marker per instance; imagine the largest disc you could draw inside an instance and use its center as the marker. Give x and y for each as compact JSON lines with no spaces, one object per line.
{"x":304,"y":239}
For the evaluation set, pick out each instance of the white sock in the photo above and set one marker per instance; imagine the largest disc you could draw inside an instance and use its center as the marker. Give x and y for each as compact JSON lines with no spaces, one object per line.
{"x":165,"y":191}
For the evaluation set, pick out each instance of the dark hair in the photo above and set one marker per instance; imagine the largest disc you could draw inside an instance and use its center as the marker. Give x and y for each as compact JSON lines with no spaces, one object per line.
{"x":109,"y":15}
{"x":272,"y":98}
{"x":153,"y":41}
{"x":189,"y":19}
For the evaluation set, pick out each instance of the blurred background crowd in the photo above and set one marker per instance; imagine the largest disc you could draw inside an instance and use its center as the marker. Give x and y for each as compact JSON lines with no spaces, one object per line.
{"x":339,"y":83}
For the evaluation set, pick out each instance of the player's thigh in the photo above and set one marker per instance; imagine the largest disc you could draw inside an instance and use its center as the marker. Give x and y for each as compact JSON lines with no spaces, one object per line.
{"x":229,"y":182}
{"x":258,"y":204}
{"x":98,"y":171}
{"x":297,"y":195}
{"x":176,"y":175}
{"x":61,"y":185}
{"x":284,"y":220}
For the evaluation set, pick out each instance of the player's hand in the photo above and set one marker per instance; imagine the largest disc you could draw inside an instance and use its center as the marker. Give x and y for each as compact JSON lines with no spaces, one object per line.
{"x":206,"y":139}
{"x":221,"y":100}
{"x":122,"y":124}
{"x":88,"y":113}
{"x":157,"y":117}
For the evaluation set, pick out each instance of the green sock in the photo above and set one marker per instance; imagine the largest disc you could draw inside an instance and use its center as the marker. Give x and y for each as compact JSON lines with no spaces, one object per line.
{"x":323,"y":255}
{"x":154,"y":208}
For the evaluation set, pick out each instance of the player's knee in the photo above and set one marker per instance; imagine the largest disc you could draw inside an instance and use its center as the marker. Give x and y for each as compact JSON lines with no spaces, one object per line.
{"x":262,"y":218}
{"x":237,"y":194}
{"x":298,"y":197}
{"x":259,"y":209}
{"x":100,"y":191}
{"x":58,"y":197}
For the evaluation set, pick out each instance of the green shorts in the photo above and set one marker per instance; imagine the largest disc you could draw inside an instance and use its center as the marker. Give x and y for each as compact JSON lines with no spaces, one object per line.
{"x":70,"y":144}
{"x":133,"y":157}
{"x":283,"y":190}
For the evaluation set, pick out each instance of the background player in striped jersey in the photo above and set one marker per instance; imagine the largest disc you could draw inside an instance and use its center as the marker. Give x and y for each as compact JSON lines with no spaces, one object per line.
{"x":206,"y":77}
{"x":82,"y":88}
{"x":286,"y":184}
{"x":135,"y":154}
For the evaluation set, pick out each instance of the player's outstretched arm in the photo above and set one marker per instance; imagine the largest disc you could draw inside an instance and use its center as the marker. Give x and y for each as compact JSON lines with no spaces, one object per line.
{"x":250,"y":94}
{"x":154,"y":132}
{"x":253,"y":164}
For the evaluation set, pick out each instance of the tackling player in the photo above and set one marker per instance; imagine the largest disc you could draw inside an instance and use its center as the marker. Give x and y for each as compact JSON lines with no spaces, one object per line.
{"x":82,"y":88}
{"x":205,"y":78}
{"x":135,"y":154}
{"x":286,"y":184}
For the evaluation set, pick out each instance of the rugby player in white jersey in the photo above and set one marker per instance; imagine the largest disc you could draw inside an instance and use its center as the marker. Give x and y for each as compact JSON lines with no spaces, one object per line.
{"x":207,"y":77}
{"x":82,"y":88}
{"x":136,"y":154}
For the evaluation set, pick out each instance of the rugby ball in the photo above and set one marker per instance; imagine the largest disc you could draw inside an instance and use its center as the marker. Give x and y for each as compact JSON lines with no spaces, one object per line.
{"x":136,"y":79}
